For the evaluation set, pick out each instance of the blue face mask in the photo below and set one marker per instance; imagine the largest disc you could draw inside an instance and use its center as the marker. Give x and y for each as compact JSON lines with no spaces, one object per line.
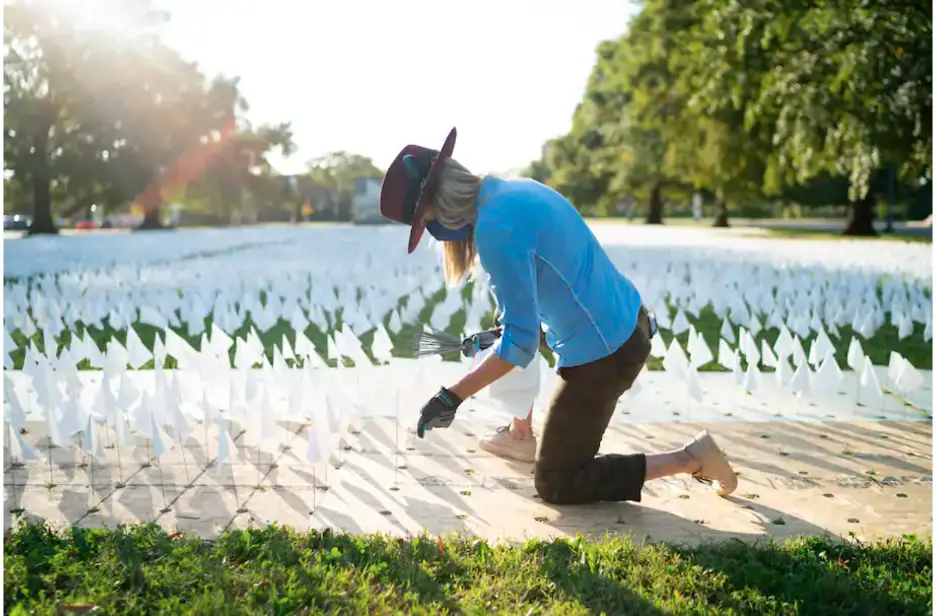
{"x":443,"y":234}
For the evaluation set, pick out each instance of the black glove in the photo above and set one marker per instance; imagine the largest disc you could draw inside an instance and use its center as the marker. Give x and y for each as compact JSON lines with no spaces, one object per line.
{"x":438,"y":412}
{"x":474,"y":344}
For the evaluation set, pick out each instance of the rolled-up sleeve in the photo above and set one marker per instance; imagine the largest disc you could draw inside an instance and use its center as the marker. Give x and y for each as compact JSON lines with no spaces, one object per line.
{"x":508,"y":257}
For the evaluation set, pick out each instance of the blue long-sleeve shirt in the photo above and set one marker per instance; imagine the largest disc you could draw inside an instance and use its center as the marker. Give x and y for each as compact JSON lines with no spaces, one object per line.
{"x":546,"y":266}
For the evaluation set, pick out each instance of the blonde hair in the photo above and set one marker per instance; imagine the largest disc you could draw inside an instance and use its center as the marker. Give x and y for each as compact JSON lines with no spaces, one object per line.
{"x":454,"y":207}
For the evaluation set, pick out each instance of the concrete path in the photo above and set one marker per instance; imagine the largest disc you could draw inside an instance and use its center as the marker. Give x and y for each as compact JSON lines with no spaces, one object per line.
{"x":861,"y":478}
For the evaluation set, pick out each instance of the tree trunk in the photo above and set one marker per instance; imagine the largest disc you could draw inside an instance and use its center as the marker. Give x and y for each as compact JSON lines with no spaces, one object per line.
{"x":721,"y":213}
{"x":151,"y":200}
{"x":655,"y":213}
{"x":227,"y":183}
{"x":42,"y":223}
{"x":344,"y":207}
{"x":237,"y":200}
{"x":861,"y":218}
{"x":151,"y":220}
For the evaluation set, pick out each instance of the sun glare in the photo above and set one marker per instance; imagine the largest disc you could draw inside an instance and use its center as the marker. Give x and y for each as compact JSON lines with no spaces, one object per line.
{"x":108,"y":17}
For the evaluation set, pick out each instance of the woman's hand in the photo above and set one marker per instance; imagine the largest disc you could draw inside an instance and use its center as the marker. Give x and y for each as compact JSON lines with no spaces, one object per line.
{"x":474,"y":344}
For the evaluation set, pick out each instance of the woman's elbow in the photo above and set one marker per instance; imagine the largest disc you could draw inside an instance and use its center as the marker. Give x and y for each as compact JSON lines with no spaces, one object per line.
{"x":518,"y":346}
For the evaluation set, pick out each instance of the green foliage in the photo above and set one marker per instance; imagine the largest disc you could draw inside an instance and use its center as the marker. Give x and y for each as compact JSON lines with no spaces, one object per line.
{"x":93,"y":114}
{"x":335,"y":175}
{"x":537,"y":170}
{"x":846,"y":87}
{"x":241,"y":179}
{"x":273,"y":570}
{"x":751,"y":100}
{"x":886,"y":339}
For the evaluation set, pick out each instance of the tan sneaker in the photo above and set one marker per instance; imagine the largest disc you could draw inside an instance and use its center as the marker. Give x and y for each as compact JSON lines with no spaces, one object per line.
{"x":715,"y":467}
{"x":502,"y":444}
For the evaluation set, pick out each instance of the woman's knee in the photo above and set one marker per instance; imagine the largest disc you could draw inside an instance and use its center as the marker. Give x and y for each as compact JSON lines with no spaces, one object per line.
{"x":554,"y":487}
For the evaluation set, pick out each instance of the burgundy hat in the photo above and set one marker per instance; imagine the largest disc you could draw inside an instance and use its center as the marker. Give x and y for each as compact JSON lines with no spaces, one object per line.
{"x":410,"y":184}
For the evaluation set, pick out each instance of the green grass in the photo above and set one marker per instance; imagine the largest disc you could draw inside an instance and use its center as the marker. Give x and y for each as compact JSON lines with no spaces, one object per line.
{"x":878,"y":348}
{"x":145,"y":570}
{"x":403,"y":340}
{"x":671,"y":221}
{"x":273,"y":337}
{"x":814,"y":234}
{"x":913,"y":348}
{"x":751,"y":227}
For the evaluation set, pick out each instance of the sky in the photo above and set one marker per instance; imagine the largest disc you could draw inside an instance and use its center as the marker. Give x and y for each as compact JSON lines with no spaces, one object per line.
{"x":370,"y":76}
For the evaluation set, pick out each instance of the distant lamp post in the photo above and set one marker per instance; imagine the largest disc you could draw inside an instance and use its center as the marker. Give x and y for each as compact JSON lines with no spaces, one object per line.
{"x":697,"y":207}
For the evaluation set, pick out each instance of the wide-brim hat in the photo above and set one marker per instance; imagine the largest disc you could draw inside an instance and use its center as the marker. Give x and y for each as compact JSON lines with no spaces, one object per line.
{"x":410,"y":184}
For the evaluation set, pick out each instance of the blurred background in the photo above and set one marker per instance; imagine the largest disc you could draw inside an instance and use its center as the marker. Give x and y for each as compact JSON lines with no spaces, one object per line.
{"x":149,"y":114}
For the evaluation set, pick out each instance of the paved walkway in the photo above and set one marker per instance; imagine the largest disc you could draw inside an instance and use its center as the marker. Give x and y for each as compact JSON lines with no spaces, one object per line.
{"x":843,"y":476}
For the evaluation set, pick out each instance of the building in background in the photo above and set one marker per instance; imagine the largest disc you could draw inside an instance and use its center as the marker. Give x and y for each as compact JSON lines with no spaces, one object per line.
{"x":365,"y":203}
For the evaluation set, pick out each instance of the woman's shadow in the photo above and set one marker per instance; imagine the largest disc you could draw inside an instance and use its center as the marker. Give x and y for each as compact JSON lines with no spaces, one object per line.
{"x":746,"y":561}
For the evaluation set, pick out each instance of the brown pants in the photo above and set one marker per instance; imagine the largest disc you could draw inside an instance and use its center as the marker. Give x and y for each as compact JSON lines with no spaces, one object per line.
{"x":567,"y":469}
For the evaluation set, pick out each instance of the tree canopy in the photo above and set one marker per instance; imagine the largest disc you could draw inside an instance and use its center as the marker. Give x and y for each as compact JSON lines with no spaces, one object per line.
{"x":111,"y":118}
{"x":751,"y":101}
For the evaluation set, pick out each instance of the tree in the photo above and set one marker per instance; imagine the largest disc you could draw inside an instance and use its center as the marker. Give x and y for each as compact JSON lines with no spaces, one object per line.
{"x":72,"y":93}
{"x":654,"y":100}
{"x":268,"y":189}
{"x":199,"y":129}
{"x":537,"y":170}
{"x":240,"y":169}
{"x":749,"y":100}
{"x":572,"y":171}
{"x":606,"y":155}
{"x":683,"y":145}
{"x":624,"y":130}
{"x":846,"y":88}
{"x":38,"y":98}
{"x":336,"y":173}
{"x":103,"y":117}
{"x":185,"y":170}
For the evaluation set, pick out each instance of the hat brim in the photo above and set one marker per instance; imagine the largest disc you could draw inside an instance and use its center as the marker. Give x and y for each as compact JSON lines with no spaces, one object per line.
{"x":417,"y":226}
